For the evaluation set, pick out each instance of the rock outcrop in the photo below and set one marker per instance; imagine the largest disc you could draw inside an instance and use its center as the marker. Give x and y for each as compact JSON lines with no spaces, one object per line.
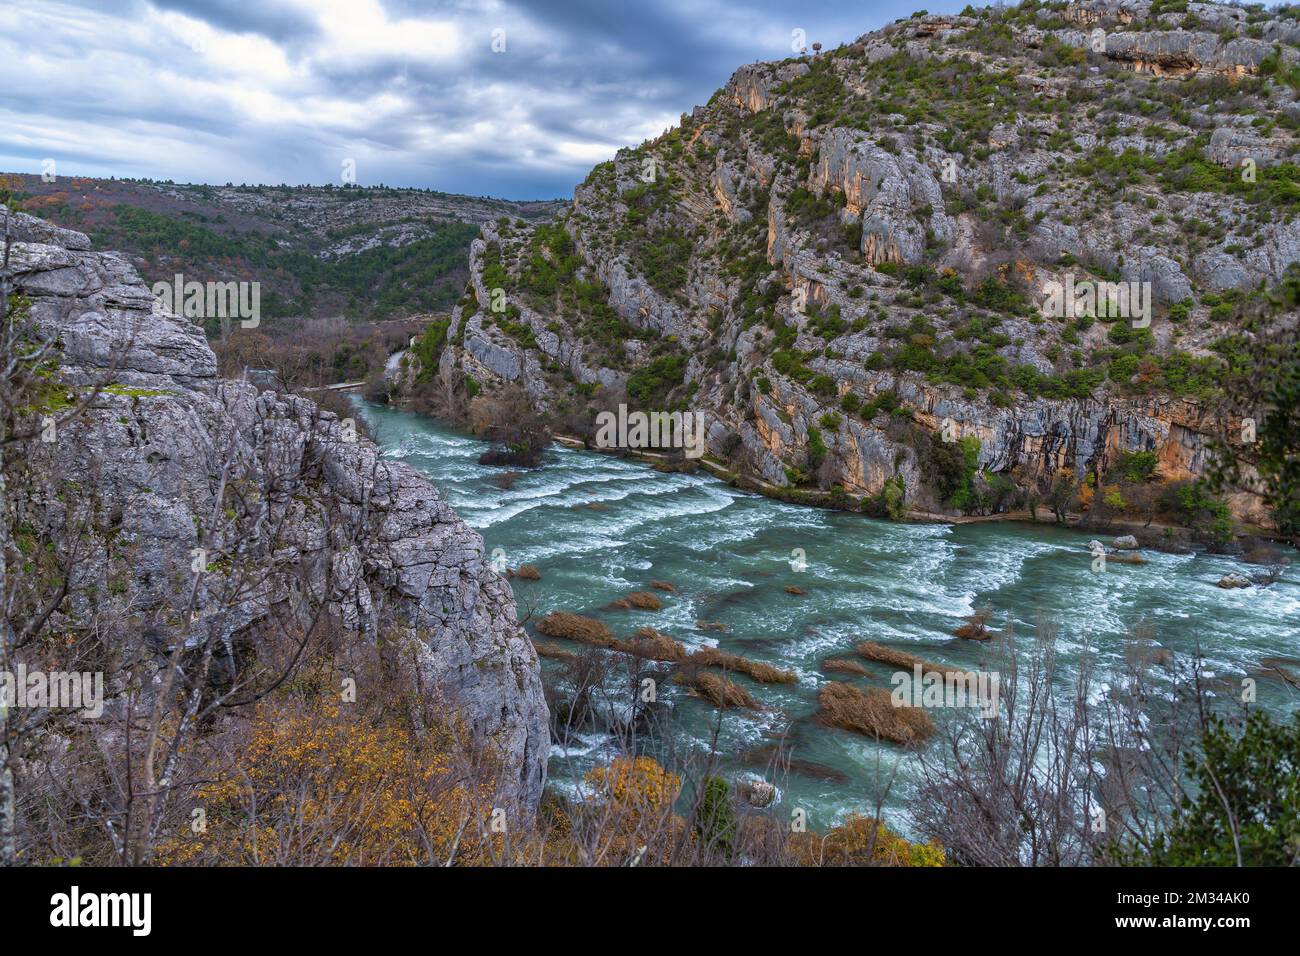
{"x":169,"y":461}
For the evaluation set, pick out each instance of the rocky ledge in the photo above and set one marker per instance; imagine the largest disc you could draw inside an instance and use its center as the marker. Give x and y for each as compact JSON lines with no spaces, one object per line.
{"x":168,"y":458}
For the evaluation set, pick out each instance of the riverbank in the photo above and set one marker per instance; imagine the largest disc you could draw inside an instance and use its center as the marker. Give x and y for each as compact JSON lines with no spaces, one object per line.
{"x":1152,"y":534}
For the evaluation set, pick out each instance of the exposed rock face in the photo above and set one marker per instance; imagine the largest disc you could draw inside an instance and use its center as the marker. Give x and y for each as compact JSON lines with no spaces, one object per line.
{"x":167,"y":448}
{"x":829,"y":234}
{"x":881,"y":191}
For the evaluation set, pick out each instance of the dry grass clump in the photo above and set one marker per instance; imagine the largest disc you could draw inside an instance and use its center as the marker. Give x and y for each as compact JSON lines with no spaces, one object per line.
{"x":662,"y":586}
{"x":901,"y":659}
{"x":646,"y":642}
{"x":527,"y":572}
{"x":845,"y":667}
{"x":639,"y":600}
{"x":651,"y":644}
{"x":654,"y":645}
{"x":552,"y":651}
{"x":718,"y":690}
{"x":872,"y":713}
{"x":576,"y":628}
{"x":763,"y":673}
{"x":887,"y":655}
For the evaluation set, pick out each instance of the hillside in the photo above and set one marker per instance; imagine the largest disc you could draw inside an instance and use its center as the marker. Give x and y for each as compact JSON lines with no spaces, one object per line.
{"x":370,"y":253}
{"x":842,"y":252}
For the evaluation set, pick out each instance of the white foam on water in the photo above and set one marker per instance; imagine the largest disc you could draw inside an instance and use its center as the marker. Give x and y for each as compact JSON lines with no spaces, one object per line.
{"x":587,"y":743}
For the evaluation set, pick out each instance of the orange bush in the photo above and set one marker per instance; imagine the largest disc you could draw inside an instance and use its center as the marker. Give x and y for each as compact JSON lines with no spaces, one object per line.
{"x":322,"y":785}
{"x":862,"y":841}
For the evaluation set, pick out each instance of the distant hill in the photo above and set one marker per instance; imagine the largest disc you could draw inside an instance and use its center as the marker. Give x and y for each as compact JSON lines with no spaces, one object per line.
{"x":368,"y":253}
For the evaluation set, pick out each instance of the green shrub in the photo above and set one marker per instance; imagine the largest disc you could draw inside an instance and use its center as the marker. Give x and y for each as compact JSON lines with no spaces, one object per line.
{"x":716,"y":820}
{"x":1247,"y":784}
{"x":1136,"y":466}
{"x":816,"y":448}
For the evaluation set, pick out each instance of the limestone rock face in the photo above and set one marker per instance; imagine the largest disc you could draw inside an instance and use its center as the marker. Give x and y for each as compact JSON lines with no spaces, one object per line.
{"x":882,"y":190}
{"x":164,"y":446}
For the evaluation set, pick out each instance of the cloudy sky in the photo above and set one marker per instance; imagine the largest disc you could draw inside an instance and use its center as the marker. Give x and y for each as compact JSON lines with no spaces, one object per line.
{"x":516,"y":99}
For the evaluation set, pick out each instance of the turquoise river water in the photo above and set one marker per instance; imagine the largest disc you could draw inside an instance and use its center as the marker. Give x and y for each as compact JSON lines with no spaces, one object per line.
{"x":598,"y":527}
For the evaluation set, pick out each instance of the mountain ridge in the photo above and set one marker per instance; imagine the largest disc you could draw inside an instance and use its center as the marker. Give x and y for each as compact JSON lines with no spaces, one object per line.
{"x":839,"y":253}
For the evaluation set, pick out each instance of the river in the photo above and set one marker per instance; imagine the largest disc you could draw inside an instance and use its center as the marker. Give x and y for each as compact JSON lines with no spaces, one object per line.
{"x":598,"y":527}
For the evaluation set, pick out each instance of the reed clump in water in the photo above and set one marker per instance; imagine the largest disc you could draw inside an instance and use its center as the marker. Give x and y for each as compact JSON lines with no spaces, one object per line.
{"x":896,"y":658}
{"x":840,"y":666}
{"x":640,"y":601}
{"x":763,"y":673}
{"x":554,"y":652}
{"x":974,"y":629}
{"x":646,"y":642}
{"x":575,"y":627}
{"x":872,"y":713}
{"x":718,"y":690}
{"x":651,"y":644}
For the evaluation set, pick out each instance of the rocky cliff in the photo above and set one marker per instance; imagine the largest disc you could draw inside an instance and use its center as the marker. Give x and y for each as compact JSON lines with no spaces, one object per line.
{"x":840,"y":252}
{"x":204,"y":507}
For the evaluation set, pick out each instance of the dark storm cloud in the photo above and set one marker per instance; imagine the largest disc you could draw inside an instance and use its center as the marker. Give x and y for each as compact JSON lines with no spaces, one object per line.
{"x":286,"y":90}
{"x":277,"y":23}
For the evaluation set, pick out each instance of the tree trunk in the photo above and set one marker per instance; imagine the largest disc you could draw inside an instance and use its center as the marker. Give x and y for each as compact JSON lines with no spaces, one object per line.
{"x":8,"y":848}
{"x":8,"y":851}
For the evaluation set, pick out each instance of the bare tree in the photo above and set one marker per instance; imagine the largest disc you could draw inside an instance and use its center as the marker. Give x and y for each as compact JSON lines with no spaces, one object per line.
{"x":1015,"y":789}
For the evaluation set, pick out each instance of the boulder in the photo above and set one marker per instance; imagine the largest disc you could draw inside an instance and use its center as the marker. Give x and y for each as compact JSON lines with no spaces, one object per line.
{"x":1234,"y":580}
